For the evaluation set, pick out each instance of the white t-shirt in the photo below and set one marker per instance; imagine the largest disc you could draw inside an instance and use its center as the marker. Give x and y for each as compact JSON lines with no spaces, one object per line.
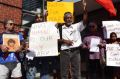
{"x":72,"y":33}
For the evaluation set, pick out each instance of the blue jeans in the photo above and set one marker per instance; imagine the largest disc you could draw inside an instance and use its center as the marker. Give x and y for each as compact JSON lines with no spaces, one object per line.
{"x":31,"y":73}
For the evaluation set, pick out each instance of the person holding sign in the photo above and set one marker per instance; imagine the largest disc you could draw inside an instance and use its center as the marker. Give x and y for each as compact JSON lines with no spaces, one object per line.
{"x":92,"y":43}
{"x":45,"y":58}
{"x":110,"y":71}
{"x":33,"y":64}
{"x":71,"y":41}
{"x":9,"y":63}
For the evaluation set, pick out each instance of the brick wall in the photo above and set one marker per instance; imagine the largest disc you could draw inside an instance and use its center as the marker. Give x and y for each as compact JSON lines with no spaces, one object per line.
{"x":11,"y":9}
{"x":16,"y":3}
{"x":1,"y":24}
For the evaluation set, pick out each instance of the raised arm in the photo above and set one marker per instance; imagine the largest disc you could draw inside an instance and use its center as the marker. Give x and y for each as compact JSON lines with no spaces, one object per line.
{"x":85,"y":16}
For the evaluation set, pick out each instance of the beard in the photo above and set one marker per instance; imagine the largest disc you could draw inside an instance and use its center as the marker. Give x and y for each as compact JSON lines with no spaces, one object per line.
{"x":68,"y":23}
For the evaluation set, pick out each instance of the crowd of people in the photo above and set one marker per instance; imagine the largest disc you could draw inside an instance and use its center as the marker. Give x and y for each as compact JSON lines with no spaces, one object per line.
{"x":15,"y":65}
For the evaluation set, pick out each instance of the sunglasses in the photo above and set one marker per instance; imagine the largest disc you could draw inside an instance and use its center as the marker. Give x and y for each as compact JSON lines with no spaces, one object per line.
{"x":11,"y":24}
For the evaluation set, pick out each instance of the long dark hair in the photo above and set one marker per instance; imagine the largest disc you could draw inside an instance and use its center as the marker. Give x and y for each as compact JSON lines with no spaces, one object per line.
{"x":113,"y":33}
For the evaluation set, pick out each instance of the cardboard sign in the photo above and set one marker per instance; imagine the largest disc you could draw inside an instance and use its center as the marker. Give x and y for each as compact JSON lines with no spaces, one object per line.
{"x":94,"y":45}
{"x":12,"y":41}
{"x":111,"y":26}
{"x":43,"y":39}
{"x":56,"y":10}
{"x":113,"y":54}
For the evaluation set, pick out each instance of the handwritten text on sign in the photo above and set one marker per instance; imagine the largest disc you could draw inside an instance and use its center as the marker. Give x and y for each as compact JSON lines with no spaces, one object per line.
{"x":43,"y":39}
{"x":113,"y":54}
{"x":56,"y":10}
{"x":111,"y":26}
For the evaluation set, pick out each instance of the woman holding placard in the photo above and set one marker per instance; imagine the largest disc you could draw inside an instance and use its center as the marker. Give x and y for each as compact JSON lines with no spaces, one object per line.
{"x":112,"y":70}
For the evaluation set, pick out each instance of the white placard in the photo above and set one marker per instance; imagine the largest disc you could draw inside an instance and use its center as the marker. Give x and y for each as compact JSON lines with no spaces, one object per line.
{"x":111,"y":26}
{"x":43,"y":39}
{"x":113,"y":54}
{"x":94,"y":45}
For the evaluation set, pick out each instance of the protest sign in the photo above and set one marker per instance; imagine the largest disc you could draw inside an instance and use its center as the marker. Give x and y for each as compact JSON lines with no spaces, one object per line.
{"x":113,"y":54}
{"x":111,"y":26}
{"x":12,"y":41}
{"x":43,"y":39}
{"x":94,"y":45}
{"x":56,"y":10}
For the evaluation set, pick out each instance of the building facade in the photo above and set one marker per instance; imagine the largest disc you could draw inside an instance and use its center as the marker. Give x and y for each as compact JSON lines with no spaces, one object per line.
{"x":11,"y":9}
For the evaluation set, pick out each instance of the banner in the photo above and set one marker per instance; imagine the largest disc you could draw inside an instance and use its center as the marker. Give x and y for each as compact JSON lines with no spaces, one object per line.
{"x":111,"y":26}
{"x":108,"y":5}
{"x":12,"y":41}
{"x":56,"y":10}
{"x":43,"y":39}
{"x":113,"y":54}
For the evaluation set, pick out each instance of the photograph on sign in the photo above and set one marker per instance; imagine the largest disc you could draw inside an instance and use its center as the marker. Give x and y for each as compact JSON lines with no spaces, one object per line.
{"x":12,"y":41}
